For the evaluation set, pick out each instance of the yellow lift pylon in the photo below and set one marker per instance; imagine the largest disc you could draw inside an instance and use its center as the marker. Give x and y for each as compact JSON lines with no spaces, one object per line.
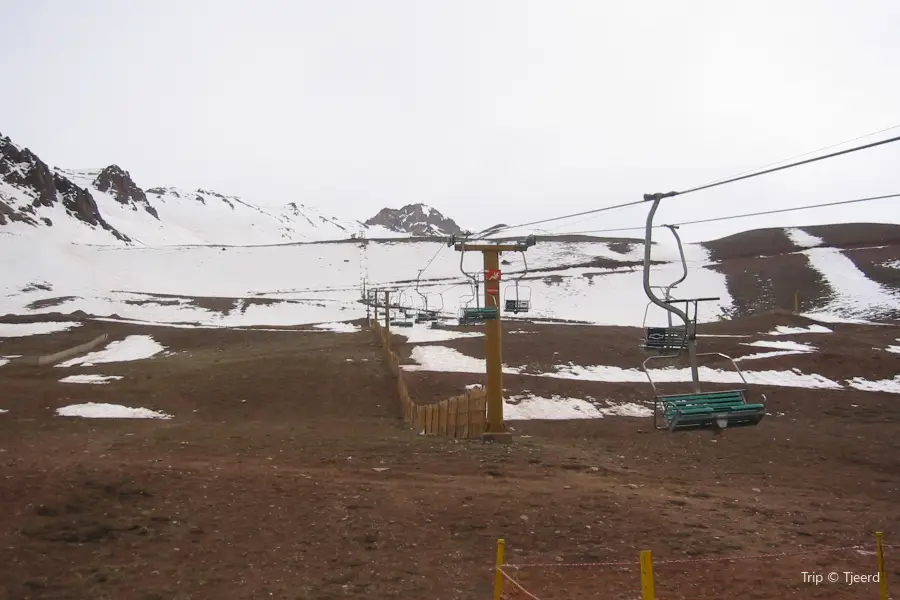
{"x":495,"y":429}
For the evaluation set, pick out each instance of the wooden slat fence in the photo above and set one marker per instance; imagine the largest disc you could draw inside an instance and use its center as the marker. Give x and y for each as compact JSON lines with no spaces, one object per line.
{"x":462,"y":416}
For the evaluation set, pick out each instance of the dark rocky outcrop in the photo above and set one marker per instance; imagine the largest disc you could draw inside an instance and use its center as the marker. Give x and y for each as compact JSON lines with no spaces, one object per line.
{"x":42,"y":187}
{"x":118,"y":182}
{"x":416,"y":219}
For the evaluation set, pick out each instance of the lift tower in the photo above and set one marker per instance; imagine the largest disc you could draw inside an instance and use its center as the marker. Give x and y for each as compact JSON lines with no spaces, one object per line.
{"x":495,"y":430}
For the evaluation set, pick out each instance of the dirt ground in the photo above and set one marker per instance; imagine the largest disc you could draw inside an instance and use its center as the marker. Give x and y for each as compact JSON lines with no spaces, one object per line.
{"x":287,"y":473}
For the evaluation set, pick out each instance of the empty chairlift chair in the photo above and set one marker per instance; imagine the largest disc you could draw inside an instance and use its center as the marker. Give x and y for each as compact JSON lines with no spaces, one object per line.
{"x":469,"y":314}
{"x":426,"y":314}
{"x":716,"y":410}
{"x":698,"y":410}
{"x":517,"y":297}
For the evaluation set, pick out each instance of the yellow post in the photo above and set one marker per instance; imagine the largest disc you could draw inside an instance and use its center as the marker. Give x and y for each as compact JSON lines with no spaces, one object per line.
{"x":797,"y":301}
{"x":882,"y":572}
{"x":387,"y":319}
{"x":496,"y":429}
{"x":498,"y":576}
{"x":647,"y":586}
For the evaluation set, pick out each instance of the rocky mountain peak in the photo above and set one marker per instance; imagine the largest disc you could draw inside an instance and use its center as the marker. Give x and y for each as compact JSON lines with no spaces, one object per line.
{"x":117,"y":182}
{"x":416,"y":219}
{"x":26,"y":183}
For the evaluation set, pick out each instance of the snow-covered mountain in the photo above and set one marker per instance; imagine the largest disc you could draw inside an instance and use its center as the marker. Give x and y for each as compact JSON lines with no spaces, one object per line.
{"x":415,"y":219}
{"x":107,"y":207}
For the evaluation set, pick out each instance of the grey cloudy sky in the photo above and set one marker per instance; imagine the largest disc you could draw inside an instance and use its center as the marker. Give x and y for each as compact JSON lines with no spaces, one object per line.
{"x":489,"y":110}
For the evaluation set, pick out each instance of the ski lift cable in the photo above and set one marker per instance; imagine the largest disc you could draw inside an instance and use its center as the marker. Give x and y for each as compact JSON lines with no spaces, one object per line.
{"x":740,"y":177}
{"x":741,"y":216}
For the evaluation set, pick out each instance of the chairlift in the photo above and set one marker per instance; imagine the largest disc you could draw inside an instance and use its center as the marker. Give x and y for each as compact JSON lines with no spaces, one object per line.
{"x":520,"y":298}
{"x":425,"y":314}
{"x":699,"y":409}
{"x":407,"y":309}
{"x":468,"y":314}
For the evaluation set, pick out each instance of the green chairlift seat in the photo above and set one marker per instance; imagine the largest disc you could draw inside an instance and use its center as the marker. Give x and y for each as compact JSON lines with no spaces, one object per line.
{"x":472,"y":315}
{"x":710,"y":410}
{"x":704,"y":410}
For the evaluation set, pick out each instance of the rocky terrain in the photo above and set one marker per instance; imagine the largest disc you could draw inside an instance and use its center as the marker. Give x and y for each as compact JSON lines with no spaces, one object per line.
{"x":417,"y":219}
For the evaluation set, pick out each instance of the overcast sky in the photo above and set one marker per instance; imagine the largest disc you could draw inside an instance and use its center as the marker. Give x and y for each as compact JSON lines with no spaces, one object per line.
{"x":490,"y":111}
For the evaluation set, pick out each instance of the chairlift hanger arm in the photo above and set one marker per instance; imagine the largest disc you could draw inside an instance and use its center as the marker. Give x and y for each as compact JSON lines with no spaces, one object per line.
{"x":684,"y":269}
{"x":648,"y":243}
{"x":524,"y":272}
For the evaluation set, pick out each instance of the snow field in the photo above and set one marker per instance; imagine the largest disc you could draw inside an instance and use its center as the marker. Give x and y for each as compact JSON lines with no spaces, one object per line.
{"x":318,"y":282}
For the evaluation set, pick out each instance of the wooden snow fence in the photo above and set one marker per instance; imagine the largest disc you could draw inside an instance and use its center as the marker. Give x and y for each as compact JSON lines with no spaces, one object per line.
{"x":462,"y":416}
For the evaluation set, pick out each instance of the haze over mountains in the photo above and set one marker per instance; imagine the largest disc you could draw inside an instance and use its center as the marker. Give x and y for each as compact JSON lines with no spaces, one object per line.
{"x":106,"y":206}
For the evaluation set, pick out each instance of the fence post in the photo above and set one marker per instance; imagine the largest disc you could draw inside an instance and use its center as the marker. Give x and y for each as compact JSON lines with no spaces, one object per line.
{"x":882,"y":572}
{"x":498,"y":574}
{"x":647,"y":591}
{"x":387,"y":319}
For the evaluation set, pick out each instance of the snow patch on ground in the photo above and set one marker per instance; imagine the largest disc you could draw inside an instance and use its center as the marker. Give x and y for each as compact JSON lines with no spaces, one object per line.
{"x":96,"y":379}
{"x":420,"y":335}
{"x":93,"y":410}
{"x":338,"y":327}
{"x":792,"y":378}
{"x":627,"y":409}
{"x":2,"y":410}
{"x":10,"y":330}
{"x":891,"y":386}
{"x":523,"y":407}
{"x":448,"y":360}
{"x":720,"y":335}
{"x":787,"y":345}
{"x":134,"y":347}
{"x":785,"y":330}
{"x":760,"y":355}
